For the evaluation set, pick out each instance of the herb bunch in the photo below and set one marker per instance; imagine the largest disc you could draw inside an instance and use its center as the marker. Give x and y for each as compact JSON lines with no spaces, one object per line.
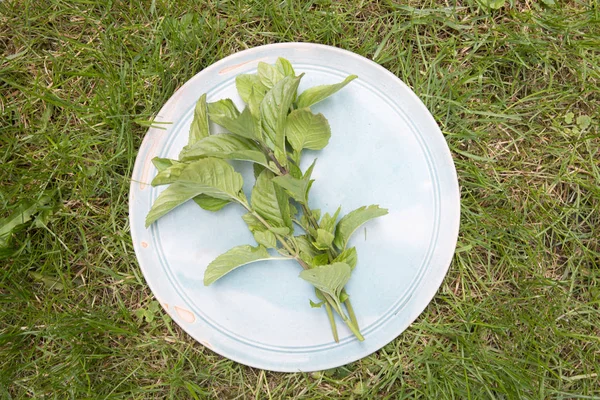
{"x":271,"y":132}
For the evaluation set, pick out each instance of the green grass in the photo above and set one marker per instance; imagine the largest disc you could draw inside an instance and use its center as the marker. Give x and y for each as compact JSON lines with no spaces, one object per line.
{"x":518,"y":314}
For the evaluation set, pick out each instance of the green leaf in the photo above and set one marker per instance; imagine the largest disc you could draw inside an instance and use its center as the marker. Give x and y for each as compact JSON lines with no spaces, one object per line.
{"x":284,"y":206}
{"x":223,"y":112}
{"x":348,"y":256}
{"x":226,"y":146}
{"x":280,"y":230}
{"x":265,"y":238}
{"x":305,"y":130}
{"x":274,"y":110}
{"x":19,"y":217}
{"x":265,"y":200}
{"x":316,"y":214}
{"x":163,"y":163}
{"x":569,"y":117}
{"x":324,"y":239}
{"x":351,"y":221}
{"x":305,"y":246}
{"x":320,"y":259}
{"x":226,"y":114}
{"x":254,"y":101}
{"x":49,"y":281}
{"x":328,"y":221}
{"x":494,"y":4}
{"x":309,"y":170}
{"x":269,"y":75}
{"x":584,"y":121}
{"x":295,"y":171}
{"x":247,"y":83}
{"x":297,"y":188}
{"x":318,"y":93}
{"x":210,"y":176}
{"x":285,"y":67}
{"x":315,"y":305}
{"x":199,"y":127}
{"x":253,"y":223}
{"x":344,"y":296}
{"x":232,"y":259}
{"x":330,"y":279}
{"x":258,"y":169}
{"x":244,"y":125}
{"x":254,"y":107}
{"x":210,"y":203}
{"x":169,"y":174}
{"x":169,"y":171}
{"x":319,"y":295}
{"x":293,"y":210}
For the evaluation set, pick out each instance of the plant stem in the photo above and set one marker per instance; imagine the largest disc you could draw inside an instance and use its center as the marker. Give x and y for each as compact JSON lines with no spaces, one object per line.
{"x":332,"y":322}
{"x":336,"y":306}
{"x":350,"y":309}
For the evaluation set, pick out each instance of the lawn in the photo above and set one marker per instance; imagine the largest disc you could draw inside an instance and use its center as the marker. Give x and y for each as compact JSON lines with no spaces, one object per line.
{"x":515,"y":90}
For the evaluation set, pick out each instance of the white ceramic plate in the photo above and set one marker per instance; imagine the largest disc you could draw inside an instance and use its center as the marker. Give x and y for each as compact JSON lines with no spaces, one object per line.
{"x":385,"y":149}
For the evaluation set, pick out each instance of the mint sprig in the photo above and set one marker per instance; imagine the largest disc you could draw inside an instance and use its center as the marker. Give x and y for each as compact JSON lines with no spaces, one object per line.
{"x":271,"y":132}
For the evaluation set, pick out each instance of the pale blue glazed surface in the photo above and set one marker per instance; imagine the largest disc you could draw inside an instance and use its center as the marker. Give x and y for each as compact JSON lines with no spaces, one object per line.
{"x":385,"y":149}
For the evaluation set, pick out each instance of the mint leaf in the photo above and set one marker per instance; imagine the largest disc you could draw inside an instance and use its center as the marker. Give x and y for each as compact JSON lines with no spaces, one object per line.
{"x":305,"y":245}
{"x":163,"y":163}
{"x":199,"y":127}
{"x":222,"y":111}
{"x":329,"y":279}
{"x":318,"y":93}
{"x":351,"y":221}
{"x":285,"y":67}
{"x":283,"y":199}
{"x":254,"y":100}
{"x":274,"y":109}
{"x":315,"y":305}
{"x":253,"y":223}
{"x":226,"y":114}
{"x":169,"y":171}
{"x":295,"y":171}
{"x":280,"y":230}
{"x":169,"y":174}
{"x":297,"y":188}
{"x":323,"y":240}
{"x":269,"y":75}
{"x":265,"y":200}
{"x":328,"y":221}
{"x":316,"y":214}
{"x":209,"y":176}
{"x":210,"y":203}
{"x":247,"y":83}
{"x":321,"y":259}
{"x":305,"y":130}
{"x":232,"y":259}
{"x":225,"y":146}
{"x":258,"y":169}
{"x":348,"y":256}
{"x":265,"y":238}
{"x":244,"y":125}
